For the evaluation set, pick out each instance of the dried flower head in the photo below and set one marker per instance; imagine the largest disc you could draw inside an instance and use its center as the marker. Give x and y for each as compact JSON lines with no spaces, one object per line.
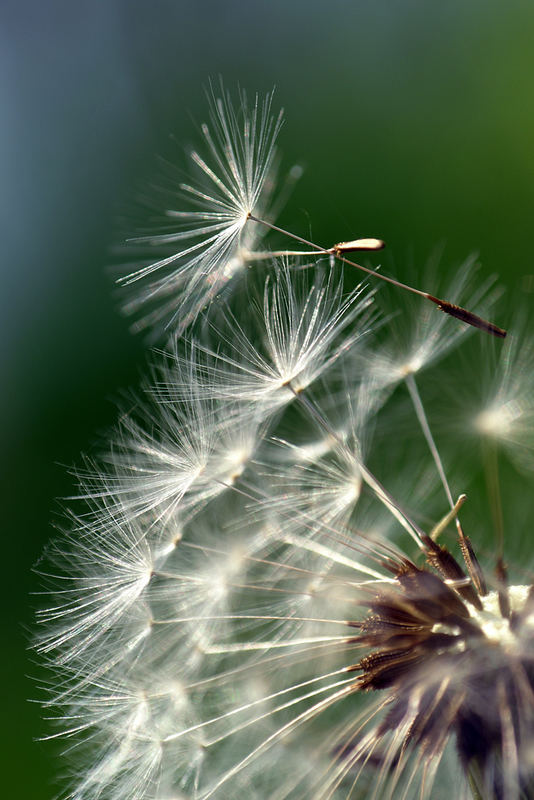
{"x":455,"y":660}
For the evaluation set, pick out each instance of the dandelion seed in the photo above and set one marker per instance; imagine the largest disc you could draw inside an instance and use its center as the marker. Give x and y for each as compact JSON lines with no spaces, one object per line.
{"x":215,"y":236}
{"x":232,"y":210}
{"x":419,"y":338}
{"x":338,"y":251}
{"x":168,"y":460}
{"x":506,"y":412}
{"x":301,"y":334}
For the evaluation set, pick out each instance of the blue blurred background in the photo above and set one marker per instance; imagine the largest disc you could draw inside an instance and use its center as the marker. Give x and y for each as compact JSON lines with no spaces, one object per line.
{"x":414,"y":122}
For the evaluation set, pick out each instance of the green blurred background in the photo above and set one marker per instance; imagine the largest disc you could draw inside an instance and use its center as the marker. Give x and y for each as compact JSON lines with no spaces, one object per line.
{"x":414,"y":121}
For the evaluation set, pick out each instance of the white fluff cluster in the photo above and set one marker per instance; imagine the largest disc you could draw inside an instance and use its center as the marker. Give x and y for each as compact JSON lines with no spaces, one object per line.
{"x":205,"y":243}
{"x":213,"y":583}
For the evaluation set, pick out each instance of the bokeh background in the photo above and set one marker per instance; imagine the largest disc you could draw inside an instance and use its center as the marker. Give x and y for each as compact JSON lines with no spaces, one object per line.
{"x":414,"y":122}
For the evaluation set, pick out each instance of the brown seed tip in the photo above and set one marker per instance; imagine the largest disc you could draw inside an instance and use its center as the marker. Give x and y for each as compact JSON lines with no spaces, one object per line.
{"x":359,"y":244}
{"x":467,"y":316}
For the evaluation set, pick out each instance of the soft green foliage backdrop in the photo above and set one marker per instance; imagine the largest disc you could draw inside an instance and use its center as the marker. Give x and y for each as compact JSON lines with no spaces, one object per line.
{"x":414,"y":120}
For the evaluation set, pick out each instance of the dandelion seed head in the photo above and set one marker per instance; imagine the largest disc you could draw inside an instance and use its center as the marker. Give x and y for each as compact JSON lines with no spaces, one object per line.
{"x":258,"y":593}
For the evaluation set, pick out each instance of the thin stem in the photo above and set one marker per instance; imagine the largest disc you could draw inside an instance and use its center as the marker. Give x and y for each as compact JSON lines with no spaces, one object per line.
{"x":423,"y":422}
{"x":491,"y":470}
{"x":267,"y":254}
{"x":448,"y":308}
{"x":332,"y":251}
{"x":471,"y":562}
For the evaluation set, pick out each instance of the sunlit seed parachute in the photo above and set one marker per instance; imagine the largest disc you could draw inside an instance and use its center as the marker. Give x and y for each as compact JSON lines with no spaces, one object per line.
{"x":264,"y":589}
{"x":501,"y":413}
{"x":204,"y":243}
{"x":224,"y":214}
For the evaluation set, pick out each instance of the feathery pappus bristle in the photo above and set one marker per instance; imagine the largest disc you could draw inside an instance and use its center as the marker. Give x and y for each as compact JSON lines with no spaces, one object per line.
{"x":204,"y":242}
